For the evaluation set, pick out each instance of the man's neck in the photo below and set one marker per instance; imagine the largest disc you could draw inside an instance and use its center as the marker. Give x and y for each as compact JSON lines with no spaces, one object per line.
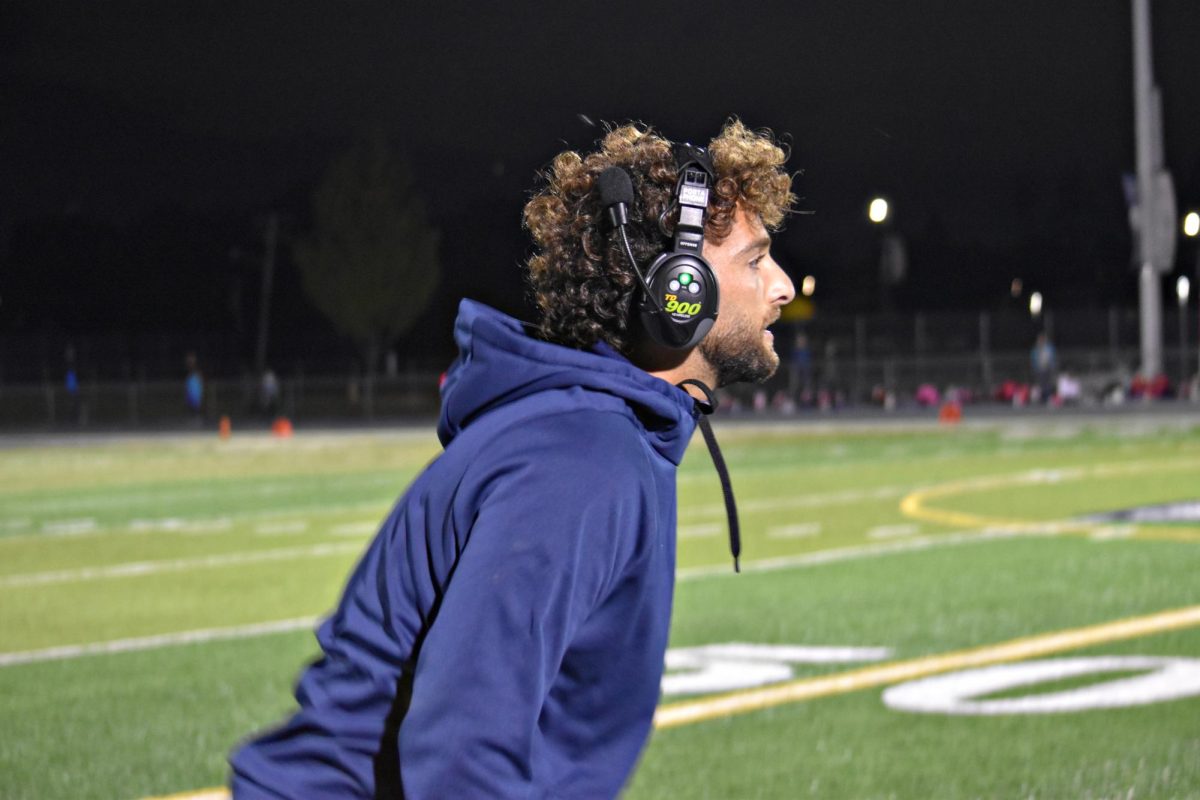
{"x":675,"y":367}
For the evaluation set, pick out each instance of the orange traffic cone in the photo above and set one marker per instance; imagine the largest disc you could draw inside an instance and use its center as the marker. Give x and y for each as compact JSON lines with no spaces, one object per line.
{"x":224,"y":427}
{"x":282,"y":427}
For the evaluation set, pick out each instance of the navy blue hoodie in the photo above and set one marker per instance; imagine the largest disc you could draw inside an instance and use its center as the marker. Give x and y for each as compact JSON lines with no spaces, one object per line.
{"x":503,"y":635}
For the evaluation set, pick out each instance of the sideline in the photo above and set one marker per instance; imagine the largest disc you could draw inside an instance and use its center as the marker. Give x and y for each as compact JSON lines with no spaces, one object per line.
{"x":678,"y":714}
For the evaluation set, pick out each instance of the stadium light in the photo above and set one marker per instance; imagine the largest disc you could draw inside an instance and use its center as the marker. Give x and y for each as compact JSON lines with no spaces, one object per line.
{"x":808,"y":286}
{"x":1183,"y":287}
{"x":1035,"y":304}
{"x":1191,"y":224}
{"x":878,"y":210}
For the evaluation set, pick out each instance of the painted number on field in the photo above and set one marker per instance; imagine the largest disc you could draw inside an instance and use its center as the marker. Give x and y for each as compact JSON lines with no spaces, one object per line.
{"x":726,"y":667}
{"x":1161,"y":679}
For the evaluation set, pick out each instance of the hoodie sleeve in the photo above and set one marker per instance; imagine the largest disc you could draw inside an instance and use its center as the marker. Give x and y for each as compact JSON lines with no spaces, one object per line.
{"x":555,"y":522}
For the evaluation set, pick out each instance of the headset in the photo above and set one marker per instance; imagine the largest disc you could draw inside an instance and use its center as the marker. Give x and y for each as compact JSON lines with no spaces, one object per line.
{"x":681,"y":297}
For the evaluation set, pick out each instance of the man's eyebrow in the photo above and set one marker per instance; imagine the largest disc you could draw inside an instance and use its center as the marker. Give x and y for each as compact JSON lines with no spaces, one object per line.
{"x":761,"y":243}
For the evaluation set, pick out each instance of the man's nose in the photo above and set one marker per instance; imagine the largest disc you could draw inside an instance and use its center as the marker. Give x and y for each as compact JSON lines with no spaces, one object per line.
{"x":782,"y":291}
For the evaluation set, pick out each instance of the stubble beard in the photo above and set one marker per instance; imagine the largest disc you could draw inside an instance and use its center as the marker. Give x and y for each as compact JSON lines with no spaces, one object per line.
{"x":739,"y":353}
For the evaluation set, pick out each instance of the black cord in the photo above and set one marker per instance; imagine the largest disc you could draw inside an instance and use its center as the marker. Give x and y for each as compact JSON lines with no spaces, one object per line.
{"x":638,"y":270}
{"x":714,"y":450}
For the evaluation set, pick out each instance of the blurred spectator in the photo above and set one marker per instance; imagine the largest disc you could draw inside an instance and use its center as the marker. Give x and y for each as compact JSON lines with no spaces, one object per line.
{"x":1044,"y":360}
{"x":1068,"y":390}
{"x":800,"y":372}
{"x":927,"y":395}
{"x":75,"y":409}
{"x":829,"y":367}
{"x":194,"y":388}
{"x":268,"y":393}
{"x":1155,"y":389}
{"x":1015,"y":394}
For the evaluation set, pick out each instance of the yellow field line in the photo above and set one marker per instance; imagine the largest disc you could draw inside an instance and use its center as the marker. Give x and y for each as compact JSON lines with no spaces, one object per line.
{"x":914,"y":505}
{"x":726,"y":705}
{"x":741,"y":702}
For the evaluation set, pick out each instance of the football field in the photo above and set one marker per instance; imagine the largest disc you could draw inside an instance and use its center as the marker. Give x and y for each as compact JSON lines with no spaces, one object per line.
{"x":1004,"y":609}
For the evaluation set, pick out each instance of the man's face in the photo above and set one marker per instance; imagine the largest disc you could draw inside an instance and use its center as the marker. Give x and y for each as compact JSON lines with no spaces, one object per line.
{"x":753,"y":291}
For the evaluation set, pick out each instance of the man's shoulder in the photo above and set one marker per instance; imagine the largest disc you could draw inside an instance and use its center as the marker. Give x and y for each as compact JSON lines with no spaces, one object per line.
{"x":571,"y":416}
{"x":590,"y":438}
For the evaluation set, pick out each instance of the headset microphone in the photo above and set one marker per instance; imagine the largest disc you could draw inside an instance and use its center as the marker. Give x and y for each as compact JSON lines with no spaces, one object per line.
{"x":616,"y":195}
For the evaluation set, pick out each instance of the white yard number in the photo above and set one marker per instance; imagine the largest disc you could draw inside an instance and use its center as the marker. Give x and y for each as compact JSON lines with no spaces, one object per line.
{"x":1162,"y":679}
{"x":727,"y":667}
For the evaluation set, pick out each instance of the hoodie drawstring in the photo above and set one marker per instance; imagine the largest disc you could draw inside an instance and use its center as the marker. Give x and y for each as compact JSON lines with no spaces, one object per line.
{"x":708,"y":406}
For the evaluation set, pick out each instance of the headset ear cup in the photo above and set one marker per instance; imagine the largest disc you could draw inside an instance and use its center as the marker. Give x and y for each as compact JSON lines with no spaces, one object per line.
{"x":686,"y":288}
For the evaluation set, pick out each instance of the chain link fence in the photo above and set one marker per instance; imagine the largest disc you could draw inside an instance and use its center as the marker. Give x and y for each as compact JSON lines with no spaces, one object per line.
{"x":829,"y":361}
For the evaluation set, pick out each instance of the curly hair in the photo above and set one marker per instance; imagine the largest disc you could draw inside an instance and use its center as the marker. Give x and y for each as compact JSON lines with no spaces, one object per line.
{"x":581,"y":280}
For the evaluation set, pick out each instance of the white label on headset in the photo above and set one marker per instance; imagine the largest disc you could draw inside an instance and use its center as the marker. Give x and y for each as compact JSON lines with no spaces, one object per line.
{"x":693,"y":196}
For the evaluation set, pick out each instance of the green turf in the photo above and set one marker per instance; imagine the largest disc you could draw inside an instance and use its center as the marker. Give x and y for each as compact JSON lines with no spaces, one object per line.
{"x":255,"y":529}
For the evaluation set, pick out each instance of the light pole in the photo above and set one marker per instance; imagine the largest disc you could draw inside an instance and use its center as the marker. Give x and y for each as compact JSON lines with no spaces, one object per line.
{"x":1191,"y":227}
{"x":1182,"y":289}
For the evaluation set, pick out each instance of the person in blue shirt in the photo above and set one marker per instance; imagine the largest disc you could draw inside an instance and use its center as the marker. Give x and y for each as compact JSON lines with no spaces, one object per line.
{"x":1043,"y":360}
{"x":503,"y":635}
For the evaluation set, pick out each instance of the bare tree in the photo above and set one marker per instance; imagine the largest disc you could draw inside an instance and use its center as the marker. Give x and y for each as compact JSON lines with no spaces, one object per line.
{"x":370,"y":263}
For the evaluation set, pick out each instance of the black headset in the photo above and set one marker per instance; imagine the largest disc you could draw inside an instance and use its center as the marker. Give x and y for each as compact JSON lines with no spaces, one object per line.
{"x":681,"y":296}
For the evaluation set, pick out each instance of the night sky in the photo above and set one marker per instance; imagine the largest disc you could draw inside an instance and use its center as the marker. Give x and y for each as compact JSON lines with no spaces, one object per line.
{"x":141,"y":144}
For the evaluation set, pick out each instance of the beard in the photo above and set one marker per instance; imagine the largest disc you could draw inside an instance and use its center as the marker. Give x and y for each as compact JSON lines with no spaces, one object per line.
{"x":739,"y":352}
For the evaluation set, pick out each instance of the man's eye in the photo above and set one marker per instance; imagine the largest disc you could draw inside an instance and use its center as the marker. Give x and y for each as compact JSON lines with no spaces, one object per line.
{"x":754,"y":263}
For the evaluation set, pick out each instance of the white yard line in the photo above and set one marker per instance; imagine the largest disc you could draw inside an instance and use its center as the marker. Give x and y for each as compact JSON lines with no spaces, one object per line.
{"x":140,"y":568}
{"x":805,"y":501}
{"x":182,"y":525}
{"x":801,"y":530}
{"x":360,"y":528}
{"x":892,"y":531}
{"x":281,"y":528}
{"x":700,"y":531}
{"x":153,"y":642}
{"x":69,"y":527}
{"x":846,"y":554}
{"x":174,"y":497}
{"x":144,"y":526}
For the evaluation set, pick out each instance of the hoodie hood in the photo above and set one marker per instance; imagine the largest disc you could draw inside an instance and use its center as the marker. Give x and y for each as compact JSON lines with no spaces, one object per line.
{"x":499,"y":362}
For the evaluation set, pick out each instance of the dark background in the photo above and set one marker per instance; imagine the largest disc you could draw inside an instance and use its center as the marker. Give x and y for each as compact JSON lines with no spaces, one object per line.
{"x":143,"y":144}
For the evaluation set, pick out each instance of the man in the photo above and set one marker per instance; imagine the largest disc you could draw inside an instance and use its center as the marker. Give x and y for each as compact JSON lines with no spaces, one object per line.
{"x":1044,"y":361}
{"x":503,"y":635}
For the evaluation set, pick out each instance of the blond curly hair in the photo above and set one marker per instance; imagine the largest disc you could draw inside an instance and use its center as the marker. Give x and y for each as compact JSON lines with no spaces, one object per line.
{"x":582,"y":283}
